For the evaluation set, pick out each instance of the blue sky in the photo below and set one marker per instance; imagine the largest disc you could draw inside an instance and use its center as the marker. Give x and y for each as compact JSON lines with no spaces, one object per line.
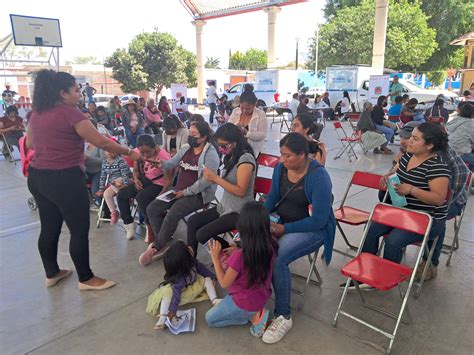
{"x":97,"y":28}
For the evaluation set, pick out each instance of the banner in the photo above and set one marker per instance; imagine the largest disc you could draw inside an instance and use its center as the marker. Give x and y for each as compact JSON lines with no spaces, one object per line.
{"x":178,"y":90}
{"x":379,"y":85}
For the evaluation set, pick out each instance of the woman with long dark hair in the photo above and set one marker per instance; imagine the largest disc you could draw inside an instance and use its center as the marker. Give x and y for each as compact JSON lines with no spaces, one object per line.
{"x":424,"y":181}
{"x":249,"y":275}
{"x":193,"y":192}
{"x":297,"y":183}
{"x":237,"y":179}
{"x":304,"y":124}
{"x":56,"y":132}
{"x":175,"y":135}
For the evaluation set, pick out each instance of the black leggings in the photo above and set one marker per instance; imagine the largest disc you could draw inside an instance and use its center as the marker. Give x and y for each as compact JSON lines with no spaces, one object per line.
{"x":144,"y":198}
{"x":208,"y":224}
{"x":62,"y":195}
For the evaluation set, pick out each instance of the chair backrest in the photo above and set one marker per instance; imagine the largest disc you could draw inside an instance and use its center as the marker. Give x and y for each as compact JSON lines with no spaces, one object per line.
{"x":439,"y":120}
{"x":468,"y":181}
{"x":268,"y":160}
{"x":262,"y":185}
{"x":401,"y":218}
{"x":394,"y":118}
{"x":337,"y":125}
{"x":353,"y":117}
{"x":366,"y":179}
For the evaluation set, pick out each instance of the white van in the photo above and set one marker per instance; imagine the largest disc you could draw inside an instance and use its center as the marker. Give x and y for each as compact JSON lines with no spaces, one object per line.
{"x":271,"y":87}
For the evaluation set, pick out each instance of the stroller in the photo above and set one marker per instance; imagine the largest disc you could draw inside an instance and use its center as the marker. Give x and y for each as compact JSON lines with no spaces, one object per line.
{"x":26,"y":156}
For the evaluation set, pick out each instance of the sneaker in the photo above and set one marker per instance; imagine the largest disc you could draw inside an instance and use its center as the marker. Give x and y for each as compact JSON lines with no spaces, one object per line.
{"x":377,"y":151}
{"x":216,"y":301}
{"x":431,"y":273}
{"x":150,"y":236}
{"x":257,"y":329}
{"x":147,"y":256}
{"x":352,"y":286}
{"x":130,"y":229}
{"x":114,"y":215}
{"x":277,"y":330}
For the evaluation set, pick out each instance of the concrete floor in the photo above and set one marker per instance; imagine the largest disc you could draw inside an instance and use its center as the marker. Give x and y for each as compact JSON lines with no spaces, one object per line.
{"x":63,"y":320}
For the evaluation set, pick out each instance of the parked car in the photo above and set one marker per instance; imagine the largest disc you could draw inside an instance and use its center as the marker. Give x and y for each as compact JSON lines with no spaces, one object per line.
{"x":127,"y":97}
{"x":102,"y":99}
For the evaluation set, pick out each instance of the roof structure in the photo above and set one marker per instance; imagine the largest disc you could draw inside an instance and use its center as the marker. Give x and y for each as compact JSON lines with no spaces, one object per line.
{"x":209,"y":9}
{"x":461,"y":41}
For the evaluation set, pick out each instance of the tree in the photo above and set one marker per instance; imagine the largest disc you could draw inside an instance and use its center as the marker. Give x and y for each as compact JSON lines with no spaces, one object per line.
{"x":212,"y":63}
{"x":83,"y":60}
{"x":23,"y":53}
{"x":453,"y":18}
{"x":347,"y":38}
{"x":437,"y":77}
{"x":253,"y":59}
{"x":152,"y":61}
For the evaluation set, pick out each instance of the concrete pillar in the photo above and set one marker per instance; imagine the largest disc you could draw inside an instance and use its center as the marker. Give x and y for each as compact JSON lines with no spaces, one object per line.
{"x":200,"y":62}
{"x":380,"y":34}
{"x":272,"y":12}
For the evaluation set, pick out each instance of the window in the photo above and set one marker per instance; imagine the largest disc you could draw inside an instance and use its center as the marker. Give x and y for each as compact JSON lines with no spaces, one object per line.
{"x":234,"y":89}
{"x":365,"y":85}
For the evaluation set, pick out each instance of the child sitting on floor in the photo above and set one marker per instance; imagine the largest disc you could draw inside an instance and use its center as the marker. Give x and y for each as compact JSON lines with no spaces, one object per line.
{"x":116,"y":169}
{"x":249,"y":275}
{"x":186,"y":281}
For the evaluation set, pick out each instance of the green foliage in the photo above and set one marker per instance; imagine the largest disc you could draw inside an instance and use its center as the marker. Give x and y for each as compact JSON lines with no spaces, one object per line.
{"x":212,"y":63}
{"x":152,"y":61}
{"x":83,"y":60}
{"x":332,"y":6}
{"x":347,"y":38}
{"x":452,"y":18}
{"x":437,"y":77}
{"x":253,"y":59}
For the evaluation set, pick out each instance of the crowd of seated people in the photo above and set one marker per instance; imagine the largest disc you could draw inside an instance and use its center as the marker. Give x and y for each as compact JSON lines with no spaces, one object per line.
{"x":194,"y":161}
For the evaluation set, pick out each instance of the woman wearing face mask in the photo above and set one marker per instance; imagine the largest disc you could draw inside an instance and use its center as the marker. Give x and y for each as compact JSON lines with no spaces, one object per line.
{"x":378,"y":117}
{"x":193,"y":191}
{"x":175,"y":135}
{"x":251,"y":121}
{"x":237,"y":180}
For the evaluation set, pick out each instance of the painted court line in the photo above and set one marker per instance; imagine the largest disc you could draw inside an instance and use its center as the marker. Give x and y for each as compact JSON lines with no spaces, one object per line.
{"x":19,"y":229}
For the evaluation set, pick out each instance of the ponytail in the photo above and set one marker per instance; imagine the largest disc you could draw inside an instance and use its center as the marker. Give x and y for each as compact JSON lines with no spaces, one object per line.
{"x":48,"y":87}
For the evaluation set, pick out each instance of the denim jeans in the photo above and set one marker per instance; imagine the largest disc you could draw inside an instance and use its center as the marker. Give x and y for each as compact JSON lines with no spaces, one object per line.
{"x":213,"y":111}
{"x":291,"y":246}
{"x":387,"y":131}
{"x":468,"y":158}
{"x":132,"y":137}
{"x":398,"y":239}
{"x":227,"y":313}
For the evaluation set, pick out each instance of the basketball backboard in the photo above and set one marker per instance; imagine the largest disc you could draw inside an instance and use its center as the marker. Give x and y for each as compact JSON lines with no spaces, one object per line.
{"x":35,"y":31}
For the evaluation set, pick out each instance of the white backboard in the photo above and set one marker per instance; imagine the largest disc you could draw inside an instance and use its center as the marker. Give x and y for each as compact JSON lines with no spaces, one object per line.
{"x":36,"y":31}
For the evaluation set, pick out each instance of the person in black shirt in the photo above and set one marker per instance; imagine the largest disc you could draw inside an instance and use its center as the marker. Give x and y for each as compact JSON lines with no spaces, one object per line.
{"x":378,"y":117}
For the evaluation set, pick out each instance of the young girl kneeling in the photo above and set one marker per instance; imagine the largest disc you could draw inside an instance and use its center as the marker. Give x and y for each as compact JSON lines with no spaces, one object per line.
{"x":118,"y":172}
{"x":186,"y":279}
{"x":249,"y":275}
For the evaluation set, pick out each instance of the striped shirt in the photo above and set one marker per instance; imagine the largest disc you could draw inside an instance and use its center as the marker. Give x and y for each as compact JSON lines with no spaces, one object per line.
{"x":419,"y":177}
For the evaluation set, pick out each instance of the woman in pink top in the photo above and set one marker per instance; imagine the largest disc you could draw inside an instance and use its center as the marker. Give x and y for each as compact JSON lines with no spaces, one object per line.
{"x":152,"y":117}
{"x":149,"y":181}
{"x":56,"y":131}
{"x":249,"y":275}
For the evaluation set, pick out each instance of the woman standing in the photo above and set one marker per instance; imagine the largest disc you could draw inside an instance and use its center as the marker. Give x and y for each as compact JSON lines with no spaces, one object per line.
{"x":251,"y":121}
{"x":133,"y":121}
{"x":297,"y":183}
{"x":56,"y":178}
{"x":237,"y":180}
{"x":193,"y":192}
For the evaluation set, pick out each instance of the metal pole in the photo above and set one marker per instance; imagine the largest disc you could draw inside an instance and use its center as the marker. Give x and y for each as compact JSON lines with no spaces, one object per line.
{"x":317,"y":51}
{"x":105,"y":78}
{"x":296,"y":58}
{"x":57,"y":58}
{"x":6,"y":45}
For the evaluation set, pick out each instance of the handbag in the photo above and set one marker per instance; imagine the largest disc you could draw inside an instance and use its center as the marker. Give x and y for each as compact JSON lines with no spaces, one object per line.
{"x":300,"y":180}
{"x":146,"y":182}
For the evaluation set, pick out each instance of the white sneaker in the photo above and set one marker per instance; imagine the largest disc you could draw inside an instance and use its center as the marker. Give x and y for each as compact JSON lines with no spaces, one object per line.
{"x":130,"y":229}
{"x":277,"y":330}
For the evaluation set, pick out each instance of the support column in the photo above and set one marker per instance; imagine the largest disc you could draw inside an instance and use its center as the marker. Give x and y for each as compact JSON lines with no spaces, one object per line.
{"x":200,"y":62}
{"x":380,"y":34}
{"x":272,"y":12}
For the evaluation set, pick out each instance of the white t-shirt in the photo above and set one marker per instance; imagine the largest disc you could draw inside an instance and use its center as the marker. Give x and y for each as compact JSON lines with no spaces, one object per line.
{"x":294,"y":106}
{"x":211,"y":95}
{"x":180,"y":108}
{"x":345,"y":105}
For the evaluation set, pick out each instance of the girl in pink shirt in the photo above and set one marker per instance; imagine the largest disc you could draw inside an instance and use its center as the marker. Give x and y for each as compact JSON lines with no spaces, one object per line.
{"x":249,"y":275}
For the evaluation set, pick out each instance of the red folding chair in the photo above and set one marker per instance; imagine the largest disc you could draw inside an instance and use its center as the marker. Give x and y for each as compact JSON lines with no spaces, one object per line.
{"x":457,"y":226}
{"x":351,"y":215}
{"x":394,"y":118}
{"x":383,"y":274}
{"x":347,"y":142}
{"x":439,"y":120}
{"x":267,"y":160}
